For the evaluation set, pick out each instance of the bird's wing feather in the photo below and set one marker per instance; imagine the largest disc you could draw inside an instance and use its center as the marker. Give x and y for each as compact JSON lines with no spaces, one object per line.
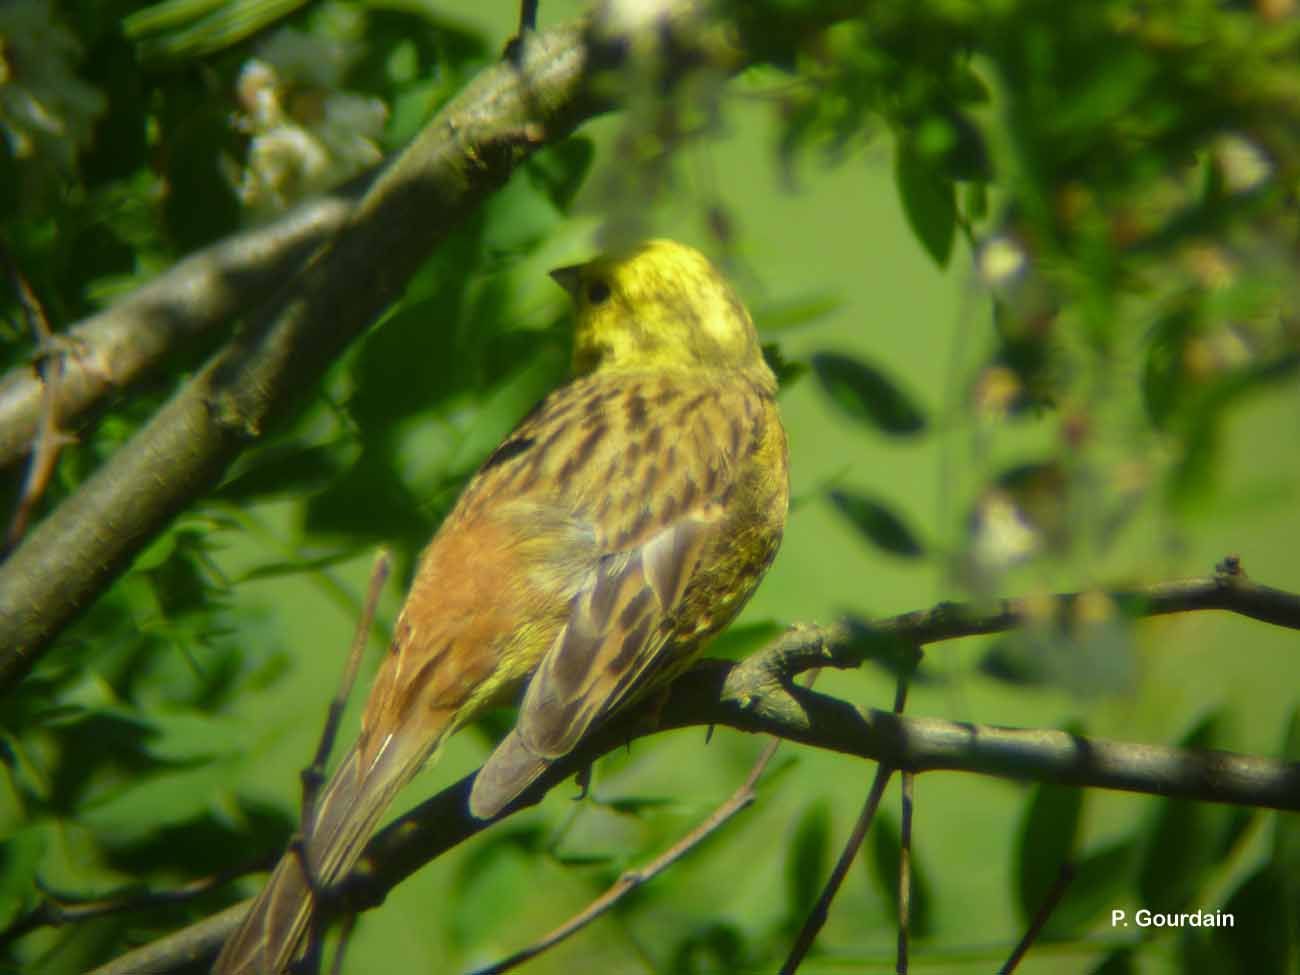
{"x":614,"y":636}
{"x":625,"y":613}
{"x":612,"y":644}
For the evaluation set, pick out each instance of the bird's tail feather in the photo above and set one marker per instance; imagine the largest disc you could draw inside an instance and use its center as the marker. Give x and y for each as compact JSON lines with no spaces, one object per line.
{"x":345,"y":815}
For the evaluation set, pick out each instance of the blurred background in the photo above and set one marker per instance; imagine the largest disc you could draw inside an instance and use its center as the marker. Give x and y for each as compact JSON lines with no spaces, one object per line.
{"x":1025,"y":351}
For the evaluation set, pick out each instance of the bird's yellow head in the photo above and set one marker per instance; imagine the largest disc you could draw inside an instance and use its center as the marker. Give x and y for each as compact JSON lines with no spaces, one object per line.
{"x":660,"y":305}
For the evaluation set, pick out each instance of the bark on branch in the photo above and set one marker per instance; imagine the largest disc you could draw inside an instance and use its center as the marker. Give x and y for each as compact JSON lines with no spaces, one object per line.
{"x":759,"y":695}
{"x":115,"y":348}
{"x":532,"y":99}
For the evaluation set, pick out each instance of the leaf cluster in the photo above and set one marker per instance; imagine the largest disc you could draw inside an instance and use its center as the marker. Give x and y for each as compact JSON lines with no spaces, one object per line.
{"x":1123,"y":177}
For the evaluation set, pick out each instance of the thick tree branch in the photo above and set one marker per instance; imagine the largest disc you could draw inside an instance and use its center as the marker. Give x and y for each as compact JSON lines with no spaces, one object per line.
{"x":49,"y":437}
{"x":118,"y":346}
{"x":209,"y":289}
{"x":466,"y":153}
{"x":205,"y":291}
{"x":706,"y":697}
{"x":759,"y":695}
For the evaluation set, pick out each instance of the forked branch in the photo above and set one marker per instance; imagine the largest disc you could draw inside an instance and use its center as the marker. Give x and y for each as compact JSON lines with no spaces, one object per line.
{"x":759,"y":695}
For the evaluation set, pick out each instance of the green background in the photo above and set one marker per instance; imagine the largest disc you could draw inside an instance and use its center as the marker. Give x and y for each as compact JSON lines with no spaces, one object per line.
{"x":836,"y":231}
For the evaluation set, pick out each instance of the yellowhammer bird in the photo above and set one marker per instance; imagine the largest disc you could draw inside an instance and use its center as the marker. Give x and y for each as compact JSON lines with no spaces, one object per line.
{"x":625,"y":521}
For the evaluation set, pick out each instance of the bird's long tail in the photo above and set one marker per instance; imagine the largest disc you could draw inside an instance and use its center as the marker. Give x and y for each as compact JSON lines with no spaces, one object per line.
{"x":347,"y":811}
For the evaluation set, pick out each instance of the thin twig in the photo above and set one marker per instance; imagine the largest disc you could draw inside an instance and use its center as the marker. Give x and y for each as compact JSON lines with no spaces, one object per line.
{"x":755,"y":696}
{"x":346,"y":929}
{"x":201,"y":294}
{"x":817,"y":916}
{"x":1041,"y":917}
{"x":700,"y":698}
{"x":314,"y":774}
{"x":465,"y":154}
{"x":907,"y":781}
{"x":632,"y":879}
{"x":821,"y":910}
{"x":49,"y":439}
{"x":527,"y":15}
{"x":56,"y":910}
{"x":847,"y":645}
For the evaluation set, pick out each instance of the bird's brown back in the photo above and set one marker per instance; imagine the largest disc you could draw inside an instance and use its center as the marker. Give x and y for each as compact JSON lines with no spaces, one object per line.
{"x":598,"y":468}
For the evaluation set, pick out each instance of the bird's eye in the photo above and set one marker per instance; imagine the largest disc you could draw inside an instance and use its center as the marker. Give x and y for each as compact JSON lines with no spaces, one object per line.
{"x":597,"y":292}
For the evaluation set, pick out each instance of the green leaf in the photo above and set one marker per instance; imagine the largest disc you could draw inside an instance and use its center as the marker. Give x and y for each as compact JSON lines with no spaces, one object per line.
{"x":298,"y":566}
{"x":193,"y":28}
{"x":1087,"y":657}
{"x":1199,"y":951}
{"x":635,"y":805}
{"x":490,"y":883}
{"x":1285,"y":857}
{"x":1262,"y":937}
{"x":186,"y":737}
{"x":1011,"y":659}
{"x":91,"y":740}
{"x":1118,"y":80}
{"x":167,"y":15}
{"x":967,"y":156}
{"x":787,"y":371}
{"x":1164,"y":379}
{"x":794,"y":313}
{"x":20,"y":860}
{"x":877,"y":523}
{"x":584,"y":859}
{"x":206,"y":843}
{"x":157,"y":552}
{"x":1181,"y":841}
{"x":150,"y":802}
{"x":929,"y":201}
{"x":864,"y":393}
{"x":488,"y":896}
{"x":1118,"y":962}
{"x":200,"y":204}
{"x":560,"y":170}
{"x":504,"y":407}
{"x":1098,"y":883}
{"x":520,"y":216}
{"x":887,"y":651}
{"x":288,"y":469}
{"x":1047,"y":842}
{"x":1237,"y":821}
{"x":806,"y":865}
{"x":710,"y":948}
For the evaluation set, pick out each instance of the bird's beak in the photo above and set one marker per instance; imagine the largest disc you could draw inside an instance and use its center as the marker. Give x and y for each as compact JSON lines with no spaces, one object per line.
{"x":567,"y":278}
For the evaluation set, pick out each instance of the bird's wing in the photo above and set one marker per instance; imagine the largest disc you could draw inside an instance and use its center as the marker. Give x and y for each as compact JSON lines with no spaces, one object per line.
{"x":614,"y":636}
{"x":655,"y":490}
{"x":613,"y":642}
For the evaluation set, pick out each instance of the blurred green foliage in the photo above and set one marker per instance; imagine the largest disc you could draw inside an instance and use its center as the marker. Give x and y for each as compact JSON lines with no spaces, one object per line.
{"x":1121,"y":177}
